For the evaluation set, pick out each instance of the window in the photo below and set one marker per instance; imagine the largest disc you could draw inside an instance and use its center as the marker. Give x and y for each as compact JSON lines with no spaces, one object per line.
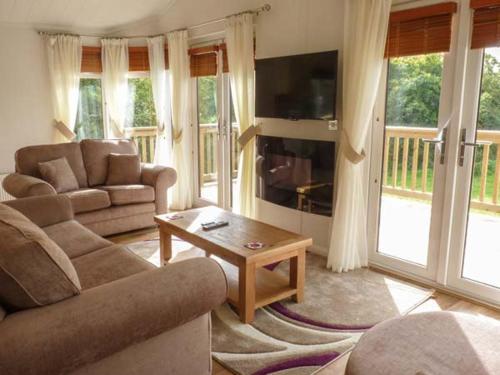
{"x":89,"y":119}
{"x":140,"y":108}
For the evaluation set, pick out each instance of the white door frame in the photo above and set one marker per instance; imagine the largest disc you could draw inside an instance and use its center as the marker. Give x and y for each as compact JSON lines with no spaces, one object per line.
{"x":442,"y":203}
{"x":223,"y":143}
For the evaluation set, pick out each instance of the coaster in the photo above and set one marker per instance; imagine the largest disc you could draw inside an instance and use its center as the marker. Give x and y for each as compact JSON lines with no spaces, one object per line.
{"x":174,"y":217}
{"x":254,"y":245}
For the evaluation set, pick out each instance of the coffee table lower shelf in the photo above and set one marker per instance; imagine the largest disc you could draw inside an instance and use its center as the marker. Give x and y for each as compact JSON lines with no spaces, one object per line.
{"x":269,"y":286}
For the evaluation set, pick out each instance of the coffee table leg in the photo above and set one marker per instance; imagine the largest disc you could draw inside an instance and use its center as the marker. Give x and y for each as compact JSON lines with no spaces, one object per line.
{"x":165,"y":247}
{"x":298,"y":274}
{"x":246,"y":296}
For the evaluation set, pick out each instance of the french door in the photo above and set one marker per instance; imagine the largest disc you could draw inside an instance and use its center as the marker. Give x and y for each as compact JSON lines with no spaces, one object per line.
{"x":408,"y":167}
{"x":434,"y":192}
{"x":215,"y":141}
{"x":475,"y":249}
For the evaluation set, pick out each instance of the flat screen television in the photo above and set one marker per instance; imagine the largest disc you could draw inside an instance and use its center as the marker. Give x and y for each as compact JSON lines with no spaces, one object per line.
{"x":300,"y":87}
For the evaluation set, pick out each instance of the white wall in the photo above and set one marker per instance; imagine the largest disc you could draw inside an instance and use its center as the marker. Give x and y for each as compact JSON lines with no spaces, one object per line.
{"x":25,"y":106}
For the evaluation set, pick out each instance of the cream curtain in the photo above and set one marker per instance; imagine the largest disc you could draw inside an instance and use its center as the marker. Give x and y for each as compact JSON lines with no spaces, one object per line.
{"x":161,"y":97}
{"x":115,"y":84}
{"x":64,"y":57}
{"x":365,"y":32}
{"x":240,"y":53}
{"x":182,"y":191}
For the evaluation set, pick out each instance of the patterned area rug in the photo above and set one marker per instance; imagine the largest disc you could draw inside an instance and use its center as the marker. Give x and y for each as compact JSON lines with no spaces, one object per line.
{"x":287,"y":338}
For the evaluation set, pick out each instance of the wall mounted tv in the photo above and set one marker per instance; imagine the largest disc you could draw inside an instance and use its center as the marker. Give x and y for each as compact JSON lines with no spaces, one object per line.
{"x":300,"y":87}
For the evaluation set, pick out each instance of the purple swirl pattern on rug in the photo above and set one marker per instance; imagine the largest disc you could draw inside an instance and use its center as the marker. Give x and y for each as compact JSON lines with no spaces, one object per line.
{"x":313,"y":360}
{"x":281,"y":309}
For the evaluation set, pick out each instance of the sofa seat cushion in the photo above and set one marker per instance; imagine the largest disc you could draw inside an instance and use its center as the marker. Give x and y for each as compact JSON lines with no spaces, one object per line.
{"x":34,"y":271}
{"x":116,"y":212}
{"x":86,"y":200}
{"x":108,"y":264}
{"x":75,"y":239}
{"x":129,"y":194}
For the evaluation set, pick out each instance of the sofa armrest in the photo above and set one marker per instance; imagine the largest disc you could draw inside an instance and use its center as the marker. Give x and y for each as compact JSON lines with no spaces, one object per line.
{"x":44,"y":210}
{"x":107,"y":319}
{"x":161,"y":178}
{"x":21,"y":186}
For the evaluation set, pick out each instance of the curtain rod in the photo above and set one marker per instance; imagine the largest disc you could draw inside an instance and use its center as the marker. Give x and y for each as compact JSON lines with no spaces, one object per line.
{"x":257,"y":11}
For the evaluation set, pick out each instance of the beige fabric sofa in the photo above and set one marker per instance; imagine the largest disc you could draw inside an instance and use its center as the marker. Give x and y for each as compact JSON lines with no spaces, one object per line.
{"x":130,"y":318}
{"x":103,"y":209}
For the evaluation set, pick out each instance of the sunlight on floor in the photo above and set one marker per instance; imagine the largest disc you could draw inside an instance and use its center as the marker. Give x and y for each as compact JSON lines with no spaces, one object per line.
{"x":209,"y":192}
{"x":404,"y":234}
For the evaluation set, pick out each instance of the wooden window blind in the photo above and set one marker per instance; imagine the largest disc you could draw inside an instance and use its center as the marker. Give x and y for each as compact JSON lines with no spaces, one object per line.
{"x":486,"y":23}
{"x":91,"y":60}
{"x":203,"y":60}
{"x":420,"y":30}
{"x":138,"y":59}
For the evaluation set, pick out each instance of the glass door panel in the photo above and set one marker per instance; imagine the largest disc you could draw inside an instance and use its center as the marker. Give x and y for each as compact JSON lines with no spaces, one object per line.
{"x":408,"y":170}
{"x":482,"y":244}
{"x":208,"y":139}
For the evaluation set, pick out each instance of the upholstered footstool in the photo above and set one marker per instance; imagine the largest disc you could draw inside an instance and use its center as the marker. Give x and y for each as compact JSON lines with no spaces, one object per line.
{"x":436,"y":343}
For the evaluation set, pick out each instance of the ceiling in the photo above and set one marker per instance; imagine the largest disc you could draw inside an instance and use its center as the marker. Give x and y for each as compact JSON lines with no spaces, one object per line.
{"x":76,"y":15}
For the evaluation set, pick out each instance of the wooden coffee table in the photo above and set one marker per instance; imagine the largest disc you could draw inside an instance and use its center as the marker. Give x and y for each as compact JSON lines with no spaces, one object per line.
{"x":250,"y":285}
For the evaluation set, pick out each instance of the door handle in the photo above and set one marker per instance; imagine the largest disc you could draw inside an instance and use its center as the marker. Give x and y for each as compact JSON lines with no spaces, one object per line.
{"x":439,"y":141}
{"x":463,"y":144}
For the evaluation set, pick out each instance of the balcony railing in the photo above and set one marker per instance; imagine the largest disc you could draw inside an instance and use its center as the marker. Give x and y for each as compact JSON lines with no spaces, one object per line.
{"x":408,"y":166}
{"x":208,"y":152}
{"x":145,"y":139}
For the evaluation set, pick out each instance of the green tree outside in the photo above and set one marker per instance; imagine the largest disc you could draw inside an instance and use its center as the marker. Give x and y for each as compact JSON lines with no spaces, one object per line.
{"x":207,"y":100}
{"x":414,"y":86}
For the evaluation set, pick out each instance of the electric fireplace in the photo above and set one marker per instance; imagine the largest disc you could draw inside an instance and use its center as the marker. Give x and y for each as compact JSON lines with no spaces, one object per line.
{"x":296,"y":173}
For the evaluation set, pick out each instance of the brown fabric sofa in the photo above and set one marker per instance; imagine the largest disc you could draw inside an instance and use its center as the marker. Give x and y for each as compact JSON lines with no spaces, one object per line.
{"x":130,"y":318}
{"x":103,"y":209}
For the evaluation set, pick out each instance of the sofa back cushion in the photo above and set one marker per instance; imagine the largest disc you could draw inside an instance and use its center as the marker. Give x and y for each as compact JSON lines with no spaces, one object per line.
{"x":34,"y":271}
{"x":59,"y":174}
{"x":95,"y":156}
{"x":27,"y":159}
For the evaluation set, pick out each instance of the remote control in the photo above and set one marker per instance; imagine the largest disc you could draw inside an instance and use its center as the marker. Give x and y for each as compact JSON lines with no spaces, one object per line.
{"x":214,"y":225}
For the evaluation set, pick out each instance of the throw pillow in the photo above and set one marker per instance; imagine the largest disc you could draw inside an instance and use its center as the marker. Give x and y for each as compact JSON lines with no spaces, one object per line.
{"x":34,"y":271}
{"x":123,"y":169}
{"x":59,"y":174}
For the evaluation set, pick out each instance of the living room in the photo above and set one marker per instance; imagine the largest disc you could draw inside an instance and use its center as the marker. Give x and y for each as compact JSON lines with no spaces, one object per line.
{"x":247,"y":187}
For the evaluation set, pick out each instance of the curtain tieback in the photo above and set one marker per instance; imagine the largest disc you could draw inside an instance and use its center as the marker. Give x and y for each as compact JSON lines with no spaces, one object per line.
{"x":65,"y":130}
{"x":178,"y":136}
{"x":248,"y":134}
{"x":350,"y":153}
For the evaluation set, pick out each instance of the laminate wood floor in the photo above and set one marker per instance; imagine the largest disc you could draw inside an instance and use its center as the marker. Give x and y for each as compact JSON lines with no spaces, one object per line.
{"x":439,"y":302}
